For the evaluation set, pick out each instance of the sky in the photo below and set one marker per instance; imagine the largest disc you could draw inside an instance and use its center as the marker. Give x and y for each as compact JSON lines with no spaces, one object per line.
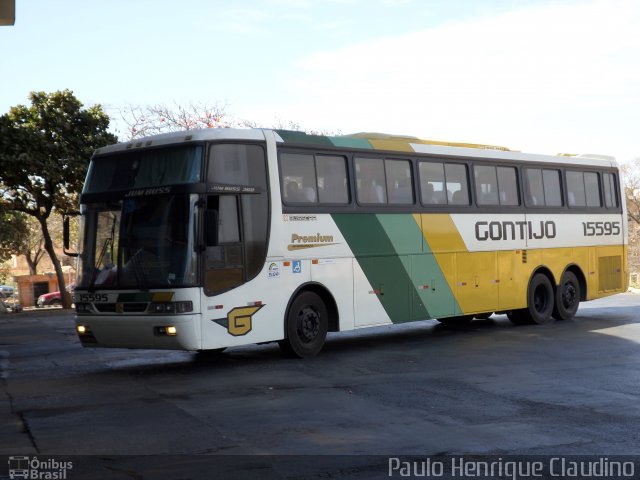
{"x":532,"y":75}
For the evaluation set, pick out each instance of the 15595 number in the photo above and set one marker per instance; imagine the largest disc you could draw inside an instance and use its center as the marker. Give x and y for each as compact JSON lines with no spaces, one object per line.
{"x":93,"y":297}
{"x":598,"y":229}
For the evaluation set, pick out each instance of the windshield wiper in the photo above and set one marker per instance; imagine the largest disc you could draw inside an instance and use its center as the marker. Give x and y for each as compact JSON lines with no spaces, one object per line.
{"x":94,"y":275}
{"x":138,"y":271}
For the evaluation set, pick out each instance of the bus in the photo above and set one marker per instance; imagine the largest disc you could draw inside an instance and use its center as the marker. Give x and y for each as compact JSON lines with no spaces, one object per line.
{"x":209,"y":239}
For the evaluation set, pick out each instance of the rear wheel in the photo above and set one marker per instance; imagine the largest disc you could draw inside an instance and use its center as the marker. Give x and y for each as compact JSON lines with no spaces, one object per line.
{"x":540,"y":303}
{"x":567,"y":297}
{"x":306,"y":326}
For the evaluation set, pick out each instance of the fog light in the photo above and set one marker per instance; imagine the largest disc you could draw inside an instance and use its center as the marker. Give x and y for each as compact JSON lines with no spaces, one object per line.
{"x":81,"y":329}
{"x":169,"y":330}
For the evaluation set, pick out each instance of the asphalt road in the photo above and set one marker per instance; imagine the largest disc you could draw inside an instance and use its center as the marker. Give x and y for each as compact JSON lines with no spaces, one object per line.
{"x":413,"y":389}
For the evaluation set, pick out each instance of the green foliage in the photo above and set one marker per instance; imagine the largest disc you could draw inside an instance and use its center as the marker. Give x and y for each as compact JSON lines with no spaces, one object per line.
{"x":45,"y":150}
{"x":14,"y":231}
{"x":44,"y":154}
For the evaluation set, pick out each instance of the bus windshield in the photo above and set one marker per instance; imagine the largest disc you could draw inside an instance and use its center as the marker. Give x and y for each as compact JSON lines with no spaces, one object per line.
{"x":139,"y":242}
{"x":144,"y":168}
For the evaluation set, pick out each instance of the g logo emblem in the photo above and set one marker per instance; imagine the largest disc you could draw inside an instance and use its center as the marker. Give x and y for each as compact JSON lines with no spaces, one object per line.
{"x":239,"y":320}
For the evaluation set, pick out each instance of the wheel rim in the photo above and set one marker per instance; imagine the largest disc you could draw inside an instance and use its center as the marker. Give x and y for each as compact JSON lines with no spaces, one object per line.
{"x":540,"y":299}
{"x":569,"y":295}
{"x":308,"y":324}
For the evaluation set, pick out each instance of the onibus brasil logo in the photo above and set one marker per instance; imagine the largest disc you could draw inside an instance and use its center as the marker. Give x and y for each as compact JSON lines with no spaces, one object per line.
{"x":33,"y":468}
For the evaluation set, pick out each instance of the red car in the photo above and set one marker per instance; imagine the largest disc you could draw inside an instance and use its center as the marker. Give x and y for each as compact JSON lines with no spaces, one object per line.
{"x":52,"y":298}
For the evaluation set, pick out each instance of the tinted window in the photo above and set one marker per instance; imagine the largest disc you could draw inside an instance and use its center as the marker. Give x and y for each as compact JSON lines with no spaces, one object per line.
{"x":486,"y":185}
{"x":432,"y":184}
{"x":592,"y":189}
{"x":144,"y":168}
{"x":535,"y":190}
{"x":399,"y":183}
{"x":332,"y":179}
{"x":508,"y":186}
{"x":609,"y":184}
{"x":575,"y":189}
{"x":370,"y":182}
{"x":457,"y":184}
{"x":543,"y":187}
{"x":552,"y":191}
{"x":237,"y":164}
{"x":298,"y":178}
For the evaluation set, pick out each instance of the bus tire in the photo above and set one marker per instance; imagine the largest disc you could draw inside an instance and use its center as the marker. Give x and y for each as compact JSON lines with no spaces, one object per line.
{"x":567,"y":297}
{"x":306,"y":326}
{"x":540,"y":301}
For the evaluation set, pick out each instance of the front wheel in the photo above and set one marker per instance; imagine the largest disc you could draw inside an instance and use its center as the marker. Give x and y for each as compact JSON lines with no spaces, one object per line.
{"x":567,"y":297}
{"x":306,"y":326}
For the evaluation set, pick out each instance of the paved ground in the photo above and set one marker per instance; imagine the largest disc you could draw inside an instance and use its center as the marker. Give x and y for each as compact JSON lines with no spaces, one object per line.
{"x":414,"y":389}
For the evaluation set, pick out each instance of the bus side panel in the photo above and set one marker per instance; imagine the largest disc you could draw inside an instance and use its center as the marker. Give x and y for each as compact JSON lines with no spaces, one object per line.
{"x":336,"y":275}
{"x":610,"y":271}
{"x":253,"y":312}
{"x":368,"y":307}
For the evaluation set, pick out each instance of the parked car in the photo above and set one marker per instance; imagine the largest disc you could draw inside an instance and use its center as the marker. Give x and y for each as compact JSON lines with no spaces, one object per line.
{"x":52,"y":298}
{"x":6,"y":291}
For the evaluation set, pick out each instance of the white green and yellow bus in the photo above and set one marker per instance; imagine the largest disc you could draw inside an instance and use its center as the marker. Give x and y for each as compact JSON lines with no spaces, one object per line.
{"x":209,"y":239}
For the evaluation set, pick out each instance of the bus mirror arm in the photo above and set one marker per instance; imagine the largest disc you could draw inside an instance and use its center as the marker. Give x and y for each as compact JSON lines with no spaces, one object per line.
{"x":211,"y":228}
{"x":66,"y":236}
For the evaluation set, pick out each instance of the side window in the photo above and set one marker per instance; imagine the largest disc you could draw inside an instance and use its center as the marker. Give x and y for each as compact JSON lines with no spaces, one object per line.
{"x":575,"y":189}
{"x":610,"y":191}
{"x":432,"y":184}
{"x":299,"y":178}
{"x":508,"y":186}
{"x":583,"y":189}
{"x":552,"y":190}
{"x":543,"y":187}
{"x":399,"y":181}
{"x":592,"y":189}
{"x":457,"y":184}
{"x":442,"y":184}
{"x":370,"y":182}
{"x":486,"y":185}
{"x":535,"y":190}
{"x":332,"y":179}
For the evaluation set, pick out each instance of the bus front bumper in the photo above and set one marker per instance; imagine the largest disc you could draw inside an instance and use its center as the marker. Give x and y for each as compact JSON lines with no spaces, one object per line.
{"x":178,"y":332}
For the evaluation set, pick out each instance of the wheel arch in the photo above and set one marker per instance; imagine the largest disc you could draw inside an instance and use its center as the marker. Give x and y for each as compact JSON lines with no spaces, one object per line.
{"x":545,"y":271}
{"x":582,"y":280}
{"x":327,"y":298}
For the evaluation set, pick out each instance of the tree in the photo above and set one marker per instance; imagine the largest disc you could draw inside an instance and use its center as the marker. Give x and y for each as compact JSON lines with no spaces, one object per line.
{"x":44,"y":153}
{"x":162,"y":118}
{"x":21,"y":235}
{"x":631,"y":175}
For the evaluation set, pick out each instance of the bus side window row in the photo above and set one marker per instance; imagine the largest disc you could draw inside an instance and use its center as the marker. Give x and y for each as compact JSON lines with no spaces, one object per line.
{"x":312,"y":179}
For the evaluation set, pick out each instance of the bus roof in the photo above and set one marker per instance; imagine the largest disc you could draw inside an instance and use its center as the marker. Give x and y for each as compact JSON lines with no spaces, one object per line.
{"x":367,"y":141}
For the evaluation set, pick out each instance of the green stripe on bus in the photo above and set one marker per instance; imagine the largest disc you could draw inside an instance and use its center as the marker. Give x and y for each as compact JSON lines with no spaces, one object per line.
{"x":386,"y":271}
{"x":432,"y":295}
{"x":351,"y":142}
{"x":291,"y":136}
